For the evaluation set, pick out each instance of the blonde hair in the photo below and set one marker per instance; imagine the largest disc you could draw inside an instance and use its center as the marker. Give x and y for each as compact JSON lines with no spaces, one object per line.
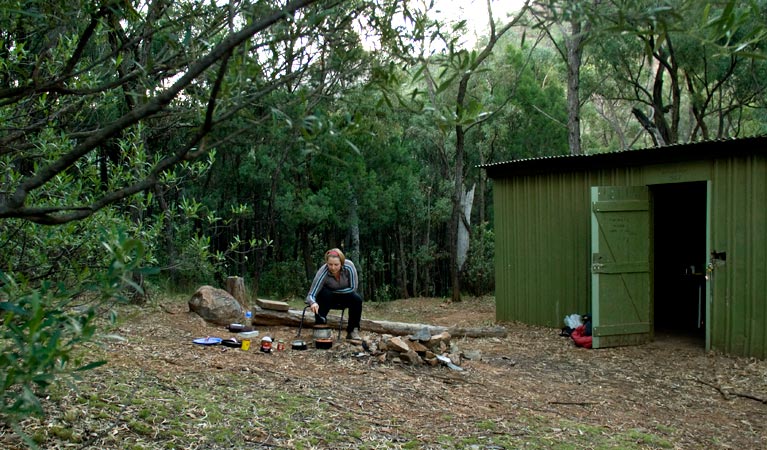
{"x":335,"y":252}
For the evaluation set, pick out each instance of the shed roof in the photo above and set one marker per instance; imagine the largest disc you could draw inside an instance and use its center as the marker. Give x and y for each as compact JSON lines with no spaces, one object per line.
{"x":655,"y":155}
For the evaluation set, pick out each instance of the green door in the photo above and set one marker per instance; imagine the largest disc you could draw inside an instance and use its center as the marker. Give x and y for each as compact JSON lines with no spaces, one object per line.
{"x":620,"y":266}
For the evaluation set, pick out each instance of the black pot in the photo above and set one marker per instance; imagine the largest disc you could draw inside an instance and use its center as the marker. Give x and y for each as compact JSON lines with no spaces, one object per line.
{"x":298,"y":345}
{"x":231,"y":343}
{"x":323,"y":344}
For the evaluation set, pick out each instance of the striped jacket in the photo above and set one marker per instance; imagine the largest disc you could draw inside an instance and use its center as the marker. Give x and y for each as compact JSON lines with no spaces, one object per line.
{"x":346,"y":283}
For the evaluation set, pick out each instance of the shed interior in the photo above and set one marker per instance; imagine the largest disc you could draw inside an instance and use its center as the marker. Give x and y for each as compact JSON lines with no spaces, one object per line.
{"x":679,"y":258}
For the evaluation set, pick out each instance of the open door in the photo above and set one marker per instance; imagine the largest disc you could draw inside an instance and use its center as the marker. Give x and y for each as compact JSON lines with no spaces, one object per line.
{"x":620,"y":269}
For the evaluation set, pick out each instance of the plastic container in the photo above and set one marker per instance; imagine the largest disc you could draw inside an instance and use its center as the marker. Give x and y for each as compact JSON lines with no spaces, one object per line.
{"x":266,"y":344}
{"x":248,"y":319}
{"x":248,"y":334}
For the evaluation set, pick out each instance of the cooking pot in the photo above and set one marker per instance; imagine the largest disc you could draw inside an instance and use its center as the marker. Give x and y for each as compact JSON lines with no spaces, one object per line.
{"x":322,"y":332}
{"x":231,"y":343}
{"x":298,"y":345}
{"x":323,"y":344}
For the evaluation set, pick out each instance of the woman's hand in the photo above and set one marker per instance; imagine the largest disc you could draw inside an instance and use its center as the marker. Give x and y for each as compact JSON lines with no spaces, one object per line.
{"x":315,"y":307}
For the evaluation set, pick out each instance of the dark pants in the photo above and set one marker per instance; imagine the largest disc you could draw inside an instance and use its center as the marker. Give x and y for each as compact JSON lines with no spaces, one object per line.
{"x":328,"y":300}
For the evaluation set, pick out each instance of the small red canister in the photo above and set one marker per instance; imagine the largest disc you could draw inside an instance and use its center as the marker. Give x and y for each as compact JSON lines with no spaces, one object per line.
{"x":280,"y":345}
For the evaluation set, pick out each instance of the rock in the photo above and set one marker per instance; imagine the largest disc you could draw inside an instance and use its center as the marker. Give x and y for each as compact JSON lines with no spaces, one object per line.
{"x":216,"y":306}
{"x":195,"y":319}
{"x":423,"y":335}
{"x":397,"y":344}
{"x":472,"y":355}
{"x":393,"y":356}
{"x":410,"y":357}
{"x":417,"y":347}
{"x":439,"y":341}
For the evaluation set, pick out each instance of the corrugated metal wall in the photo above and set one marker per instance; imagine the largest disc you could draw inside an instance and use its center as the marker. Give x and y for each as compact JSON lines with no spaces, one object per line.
{"x":738,"y":315}
{"x":543,"y":249}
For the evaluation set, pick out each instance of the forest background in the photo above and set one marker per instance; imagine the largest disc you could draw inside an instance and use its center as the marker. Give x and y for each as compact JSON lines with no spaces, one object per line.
{"x":157,"y":146}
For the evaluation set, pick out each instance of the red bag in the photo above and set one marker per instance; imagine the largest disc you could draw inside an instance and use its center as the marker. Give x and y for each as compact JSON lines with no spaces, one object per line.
{"x":580,"y":338}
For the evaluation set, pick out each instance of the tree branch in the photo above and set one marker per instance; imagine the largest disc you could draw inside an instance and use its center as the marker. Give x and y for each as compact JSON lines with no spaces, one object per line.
{"x":15,"y":201}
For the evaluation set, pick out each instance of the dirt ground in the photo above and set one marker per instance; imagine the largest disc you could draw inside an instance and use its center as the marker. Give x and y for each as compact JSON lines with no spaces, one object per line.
{"x":701,"y":400}
{"x":670,"y":389}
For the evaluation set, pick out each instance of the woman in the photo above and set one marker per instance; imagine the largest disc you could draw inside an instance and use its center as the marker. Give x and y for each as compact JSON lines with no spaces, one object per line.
{"x":335,"y":287}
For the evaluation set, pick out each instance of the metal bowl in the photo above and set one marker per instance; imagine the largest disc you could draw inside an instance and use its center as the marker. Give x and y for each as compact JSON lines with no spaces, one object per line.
{"x":298,"y":345}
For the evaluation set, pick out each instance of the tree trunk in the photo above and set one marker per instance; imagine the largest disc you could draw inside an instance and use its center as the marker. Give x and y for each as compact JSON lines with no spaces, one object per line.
{"x":574,"y":47}
{"x":648,"y":125}
{"x":168,"y":234}
{"x":464,"y":233}
{"x":483,"y":184}
{"x":426,"y":245}
{"x":268,"y":317}
{"x":460,"y":138}
{"x":354,"y":230}
{"x":413,"y":255}
{"x":455,"y":217}
{"x":236,"y":287}
{"x":138,"y":291}
{"x":401,"y":264}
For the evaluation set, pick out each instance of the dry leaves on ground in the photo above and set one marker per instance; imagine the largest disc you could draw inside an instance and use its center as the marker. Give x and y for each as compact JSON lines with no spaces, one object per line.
{"x":532,"y":388}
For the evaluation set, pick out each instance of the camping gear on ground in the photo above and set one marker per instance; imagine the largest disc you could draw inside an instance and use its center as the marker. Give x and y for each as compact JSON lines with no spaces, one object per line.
{"x":573,"y":321}
{"x":323,"y":344}
{"x":239,"y":328}
{"x":321,"y":321}
{"x":266,"y":344}
{"x":248,"y":334}
{"x":322,"y":332}
{"x":207,"y":341}
{"x":246,"y":344}
{"x":298,"y":345}
{"x":580,"y":338}
{"x":231,"y":342}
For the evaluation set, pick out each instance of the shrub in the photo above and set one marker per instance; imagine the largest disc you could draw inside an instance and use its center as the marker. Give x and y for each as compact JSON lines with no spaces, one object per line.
{"x":478,"y":277}
{"x":44,"y":323}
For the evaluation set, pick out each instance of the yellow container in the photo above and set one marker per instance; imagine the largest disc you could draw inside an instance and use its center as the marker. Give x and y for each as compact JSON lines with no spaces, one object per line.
{"x":245,"y":344}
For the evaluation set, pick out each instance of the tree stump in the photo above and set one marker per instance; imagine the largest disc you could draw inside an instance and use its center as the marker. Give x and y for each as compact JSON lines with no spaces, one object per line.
{"x":235,"y":286}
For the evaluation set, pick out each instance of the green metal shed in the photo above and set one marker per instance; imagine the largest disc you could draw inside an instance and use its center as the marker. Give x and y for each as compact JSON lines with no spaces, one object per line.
{"x":653,"y":241}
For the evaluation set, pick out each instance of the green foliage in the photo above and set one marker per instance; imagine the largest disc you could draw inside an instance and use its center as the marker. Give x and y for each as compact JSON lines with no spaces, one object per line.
{"x":478,"y":276}
{"x":283,"y":280}
{"x":45,"y":323}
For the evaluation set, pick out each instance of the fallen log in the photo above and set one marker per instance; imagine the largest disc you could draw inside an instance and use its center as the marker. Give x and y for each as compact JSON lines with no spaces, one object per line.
{"x":292,"y":317}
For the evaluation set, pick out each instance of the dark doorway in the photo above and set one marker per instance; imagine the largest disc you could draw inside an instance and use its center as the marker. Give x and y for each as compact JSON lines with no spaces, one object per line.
{"x":679,"y":244}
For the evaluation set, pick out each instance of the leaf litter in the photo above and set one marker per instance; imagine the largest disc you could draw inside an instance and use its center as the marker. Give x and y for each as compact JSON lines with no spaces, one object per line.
{"x":532,"y":388}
